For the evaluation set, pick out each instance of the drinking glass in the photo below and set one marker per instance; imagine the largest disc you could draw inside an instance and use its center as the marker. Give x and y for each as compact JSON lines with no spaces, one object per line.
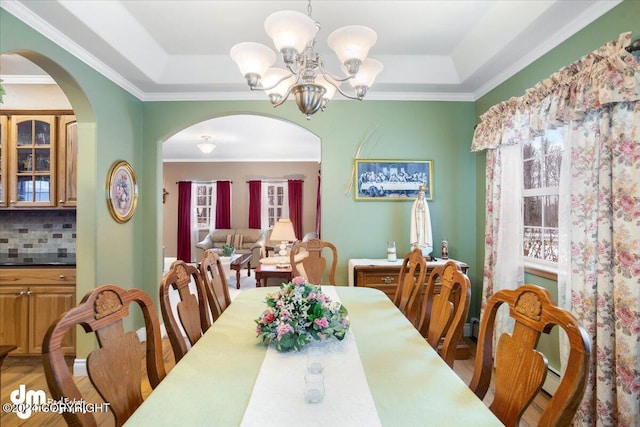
{"x":313,"y":388}
{"x":391,"y":251}
{"x":314,"y":360}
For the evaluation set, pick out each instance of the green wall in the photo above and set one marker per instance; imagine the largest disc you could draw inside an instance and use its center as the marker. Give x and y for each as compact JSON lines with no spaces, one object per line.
{"x":109,"y":129}
{"x":439,"y":131}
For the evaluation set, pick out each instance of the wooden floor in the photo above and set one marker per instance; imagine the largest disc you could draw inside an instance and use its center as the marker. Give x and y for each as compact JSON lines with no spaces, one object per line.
{"x":32,"y":376}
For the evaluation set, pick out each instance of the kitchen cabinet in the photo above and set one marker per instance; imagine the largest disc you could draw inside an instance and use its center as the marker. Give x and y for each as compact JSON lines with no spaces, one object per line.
{"x":67,"y":164}
{"x":38,"y":160}
{"x":32,"y":161}
{"x":30,"y":300}
{"x":4,"y":131}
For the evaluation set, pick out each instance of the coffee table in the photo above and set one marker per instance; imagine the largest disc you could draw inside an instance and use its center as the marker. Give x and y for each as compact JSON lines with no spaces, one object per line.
{"x":237,"y":265}
{"x":265,"y":272}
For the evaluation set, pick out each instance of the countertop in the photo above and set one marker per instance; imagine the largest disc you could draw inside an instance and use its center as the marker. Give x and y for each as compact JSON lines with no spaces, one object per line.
{"x":37,"y":260}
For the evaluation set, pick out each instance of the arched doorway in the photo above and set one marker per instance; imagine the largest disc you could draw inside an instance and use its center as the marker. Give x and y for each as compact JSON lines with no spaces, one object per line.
{"x":248,"y":147}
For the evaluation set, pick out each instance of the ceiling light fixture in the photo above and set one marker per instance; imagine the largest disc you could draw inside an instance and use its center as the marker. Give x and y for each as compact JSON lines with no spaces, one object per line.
{"x":206,"y":146}
{"x":293,"y":34}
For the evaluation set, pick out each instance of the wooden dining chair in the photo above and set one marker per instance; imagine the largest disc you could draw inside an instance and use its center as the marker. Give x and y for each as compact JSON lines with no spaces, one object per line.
{"x":519,"y":368}
{"x":312,"y":267}
{"x":192,"y":308}
{"x":215,"y":283}
{"x":408,"y":295}
{"x":445,"y":308}
{"x":114,"y":367}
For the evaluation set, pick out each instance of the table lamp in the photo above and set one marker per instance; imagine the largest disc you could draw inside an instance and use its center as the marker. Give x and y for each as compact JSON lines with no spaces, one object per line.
{"x":283,"y":232}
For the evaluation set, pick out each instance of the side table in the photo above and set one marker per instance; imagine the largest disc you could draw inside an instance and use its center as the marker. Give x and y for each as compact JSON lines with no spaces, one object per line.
{"x":266,"y":272}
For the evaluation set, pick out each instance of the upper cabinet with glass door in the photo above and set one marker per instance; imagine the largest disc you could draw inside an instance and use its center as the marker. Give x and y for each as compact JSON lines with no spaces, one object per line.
{"x":3,"y":160}
{"x":32,"y":161}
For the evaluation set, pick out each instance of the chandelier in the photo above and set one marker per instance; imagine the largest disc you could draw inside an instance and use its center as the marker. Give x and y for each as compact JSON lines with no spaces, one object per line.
{"x":206,"y":146}
{"x":305,"y":76}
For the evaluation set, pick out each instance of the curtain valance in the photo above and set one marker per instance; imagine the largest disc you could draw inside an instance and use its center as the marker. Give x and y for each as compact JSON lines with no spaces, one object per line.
{"x":607,"y":75}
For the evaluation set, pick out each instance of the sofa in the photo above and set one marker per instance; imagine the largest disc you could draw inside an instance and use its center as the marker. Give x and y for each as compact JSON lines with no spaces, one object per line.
{"x":244,"y":240}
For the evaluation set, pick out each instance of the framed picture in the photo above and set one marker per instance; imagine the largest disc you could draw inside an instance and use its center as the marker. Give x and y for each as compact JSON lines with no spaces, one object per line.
{"x":393,"y":179}
{"x":122,"y":191}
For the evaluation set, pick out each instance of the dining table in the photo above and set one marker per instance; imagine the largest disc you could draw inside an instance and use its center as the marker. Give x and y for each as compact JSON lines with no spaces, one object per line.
{"x":383,"y":373}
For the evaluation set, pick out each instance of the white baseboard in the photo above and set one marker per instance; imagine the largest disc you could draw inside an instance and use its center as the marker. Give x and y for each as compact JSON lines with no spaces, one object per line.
{"x":80,"y":368}
{"x":466,"y":332}
{"x":552,"y":381}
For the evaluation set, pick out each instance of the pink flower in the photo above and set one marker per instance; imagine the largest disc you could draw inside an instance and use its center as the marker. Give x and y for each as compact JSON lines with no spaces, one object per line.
{"x":322,"y":322}
{"x":627,"y":317}
{"x":283,"y":329}
{"x":258,"y":330}
{"x":626,"y":259}
{"x":298,"y":280}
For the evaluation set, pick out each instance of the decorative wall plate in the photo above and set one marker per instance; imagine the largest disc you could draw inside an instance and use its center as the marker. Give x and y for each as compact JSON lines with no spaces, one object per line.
{"x":122,"y":191}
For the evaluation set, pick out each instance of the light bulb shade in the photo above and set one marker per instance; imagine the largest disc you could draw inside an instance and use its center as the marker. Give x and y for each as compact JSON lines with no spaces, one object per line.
{"x":252,"y":58}
{"x":283,"y":231}
{"x":368,"y":72}
{"x":290,"y":29}
{"x":330,"y":89}
{"x":272,"y":76}
{"x":352,"y":42}
{"x":206,"y":147}
{"x":309,"y":97}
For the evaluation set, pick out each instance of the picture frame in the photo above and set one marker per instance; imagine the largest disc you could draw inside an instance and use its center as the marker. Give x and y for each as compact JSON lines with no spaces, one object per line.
{"x":397,"y":180}
{"x":122,"y":191}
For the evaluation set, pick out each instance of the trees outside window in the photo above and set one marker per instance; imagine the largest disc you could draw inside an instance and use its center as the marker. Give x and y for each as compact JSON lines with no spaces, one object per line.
{"x":542,"y":158}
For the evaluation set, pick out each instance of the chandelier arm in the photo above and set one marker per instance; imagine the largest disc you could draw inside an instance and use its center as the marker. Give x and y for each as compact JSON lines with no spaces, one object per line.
{"x":326,"y":73}
{"x":260,"y":87}
{"x":285,"y":96}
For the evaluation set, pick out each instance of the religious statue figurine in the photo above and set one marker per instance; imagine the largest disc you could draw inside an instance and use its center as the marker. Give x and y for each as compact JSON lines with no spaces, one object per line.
{"x":421,"y":225}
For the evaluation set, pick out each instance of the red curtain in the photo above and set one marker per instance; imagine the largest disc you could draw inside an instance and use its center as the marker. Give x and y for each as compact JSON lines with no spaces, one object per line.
{"x":184,"y":221}
{"x":223,"y":204}
{"x":255,"y":203}
{"x":295,"y":205}
{"x":318,"y":217}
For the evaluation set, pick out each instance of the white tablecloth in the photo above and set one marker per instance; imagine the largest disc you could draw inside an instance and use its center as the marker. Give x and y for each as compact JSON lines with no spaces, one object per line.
{"x":280,"y":384}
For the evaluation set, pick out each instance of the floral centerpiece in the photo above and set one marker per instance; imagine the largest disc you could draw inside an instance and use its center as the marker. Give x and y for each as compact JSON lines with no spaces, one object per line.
{"x":298,"y":313}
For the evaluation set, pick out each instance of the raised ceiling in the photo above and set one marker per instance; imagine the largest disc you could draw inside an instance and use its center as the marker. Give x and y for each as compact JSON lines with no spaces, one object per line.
{"x":179,"y":50}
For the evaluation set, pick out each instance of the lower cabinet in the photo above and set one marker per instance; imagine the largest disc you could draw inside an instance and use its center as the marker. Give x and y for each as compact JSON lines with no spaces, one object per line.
{"x":30,"y":300}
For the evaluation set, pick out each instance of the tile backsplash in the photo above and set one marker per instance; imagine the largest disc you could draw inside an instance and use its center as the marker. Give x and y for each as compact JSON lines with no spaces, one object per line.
{"x":37,"y":232}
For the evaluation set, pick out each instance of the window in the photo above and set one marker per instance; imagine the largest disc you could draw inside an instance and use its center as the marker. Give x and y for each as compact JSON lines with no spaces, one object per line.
{"x":275,"y":202}
{"x":541,"y":158}
{"x":204,"y":205}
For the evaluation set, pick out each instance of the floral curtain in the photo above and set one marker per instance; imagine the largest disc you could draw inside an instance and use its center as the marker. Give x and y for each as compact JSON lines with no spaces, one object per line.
{"x":598,"y":99}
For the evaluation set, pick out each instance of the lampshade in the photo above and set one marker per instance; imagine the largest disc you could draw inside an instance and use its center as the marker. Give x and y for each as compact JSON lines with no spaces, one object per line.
{"x":206,"y":146}
{"x":290,"y":29}
{"x":252,"y":58}
{"x":283,"y":231}
{"x":272,"y":76}
{"x":330,"y":89}
{"x":352,"y":42}
{"x":368,"y":72}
